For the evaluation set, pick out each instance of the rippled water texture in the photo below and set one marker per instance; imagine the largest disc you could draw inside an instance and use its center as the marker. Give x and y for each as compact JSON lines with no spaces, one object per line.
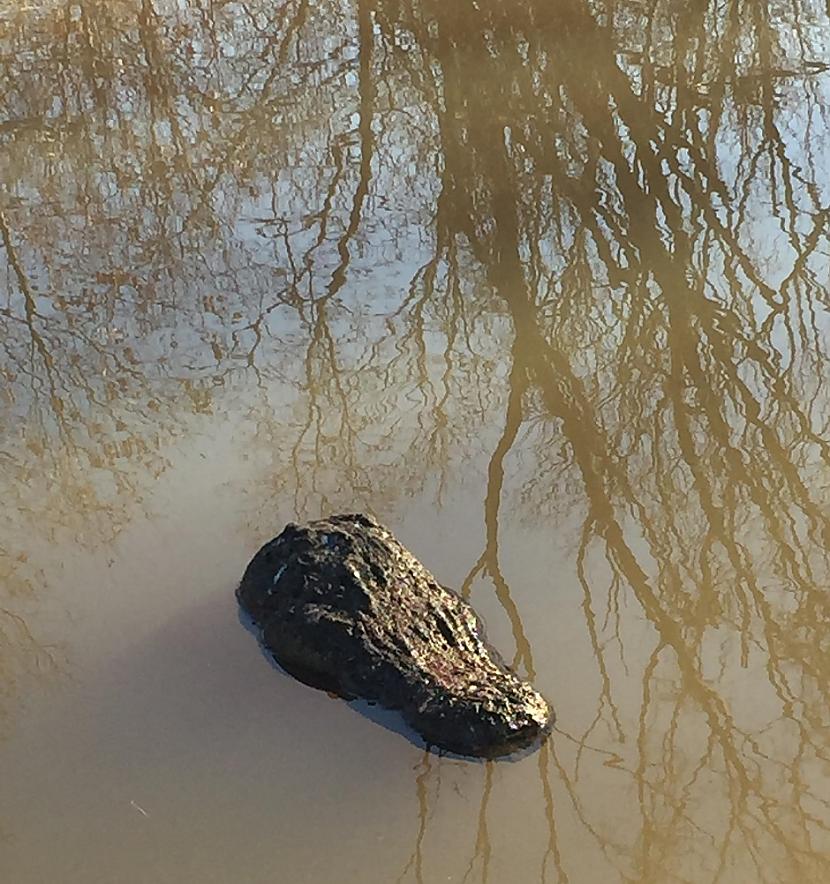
{"x":543,"y":285}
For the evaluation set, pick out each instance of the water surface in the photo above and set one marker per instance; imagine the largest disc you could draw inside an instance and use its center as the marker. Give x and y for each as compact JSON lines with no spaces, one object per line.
{"x":546,"y":287}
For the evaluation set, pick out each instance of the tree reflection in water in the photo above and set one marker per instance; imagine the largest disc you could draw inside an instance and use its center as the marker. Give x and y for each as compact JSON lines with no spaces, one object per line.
{"x":603,"y":230}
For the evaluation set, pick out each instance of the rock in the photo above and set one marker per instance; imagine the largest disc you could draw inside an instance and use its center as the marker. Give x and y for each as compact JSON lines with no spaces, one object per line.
{"x":343,"y":606}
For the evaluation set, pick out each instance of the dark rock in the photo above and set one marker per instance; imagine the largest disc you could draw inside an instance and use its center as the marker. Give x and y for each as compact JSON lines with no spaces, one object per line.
{"x":344,"y":607}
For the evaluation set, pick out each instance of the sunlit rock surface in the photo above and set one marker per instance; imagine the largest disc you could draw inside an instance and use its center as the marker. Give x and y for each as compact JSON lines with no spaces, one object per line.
{"x":343,"y":606}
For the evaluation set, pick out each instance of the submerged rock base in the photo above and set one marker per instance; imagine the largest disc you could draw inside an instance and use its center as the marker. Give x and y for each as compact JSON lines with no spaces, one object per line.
{"x":343,"y":606}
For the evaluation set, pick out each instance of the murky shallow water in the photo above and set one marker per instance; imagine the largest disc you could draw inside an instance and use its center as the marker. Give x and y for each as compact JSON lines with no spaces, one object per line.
{"x":544,"y":286}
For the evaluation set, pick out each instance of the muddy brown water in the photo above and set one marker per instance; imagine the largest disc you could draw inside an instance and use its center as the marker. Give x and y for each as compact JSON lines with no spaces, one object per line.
{"x":544,"y":286}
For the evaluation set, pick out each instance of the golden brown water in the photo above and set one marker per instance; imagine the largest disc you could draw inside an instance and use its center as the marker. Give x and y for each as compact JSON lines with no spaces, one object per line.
{"x":546,"y":287}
